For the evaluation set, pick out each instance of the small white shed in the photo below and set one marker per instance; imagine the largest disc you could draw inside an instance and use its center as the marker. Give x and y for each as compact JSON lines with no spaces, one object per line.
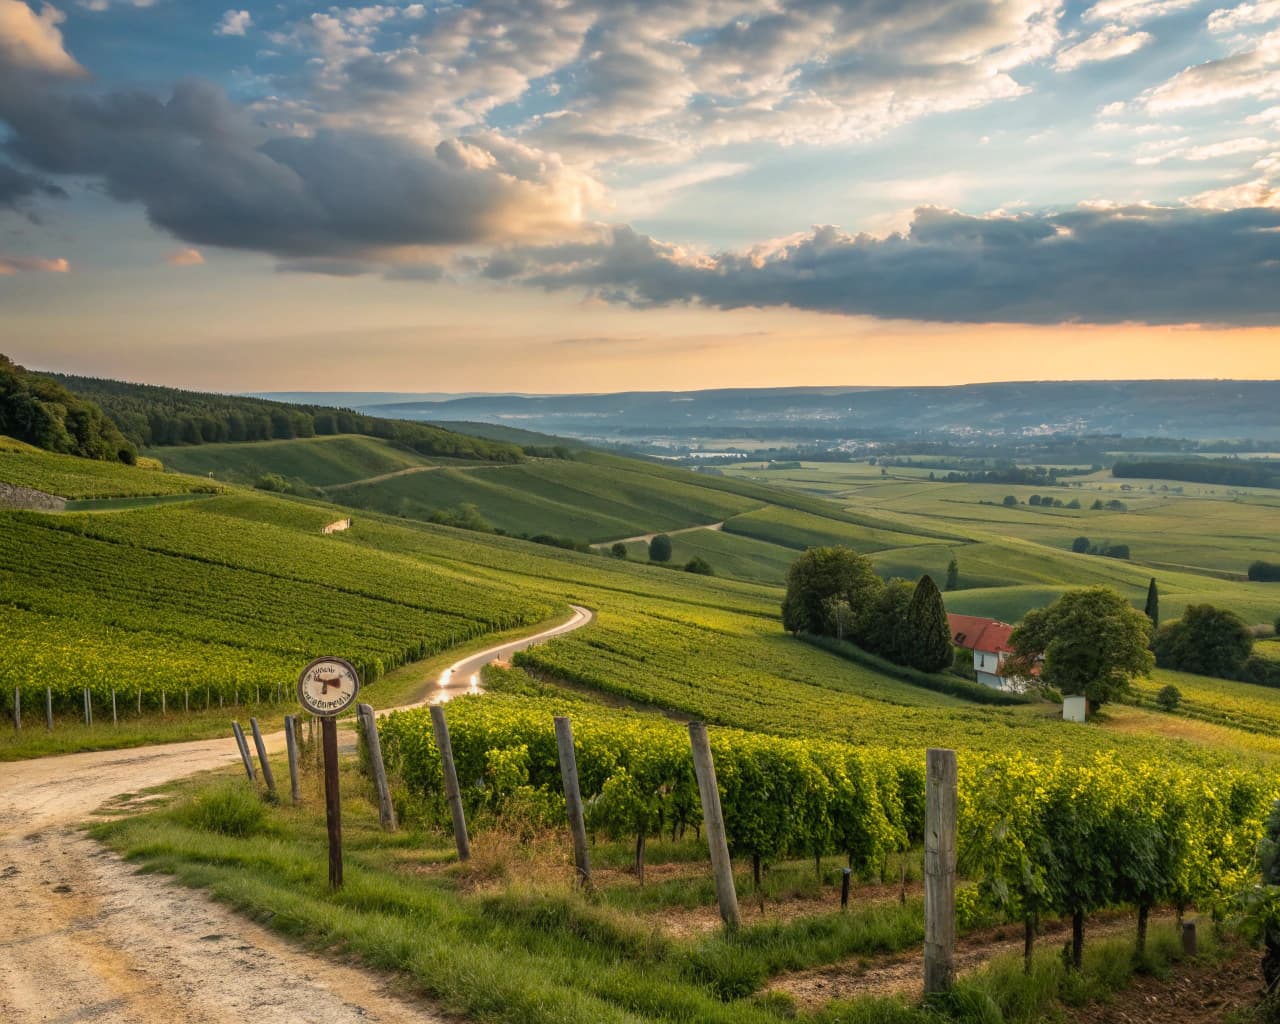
{"x":1074,"y":709}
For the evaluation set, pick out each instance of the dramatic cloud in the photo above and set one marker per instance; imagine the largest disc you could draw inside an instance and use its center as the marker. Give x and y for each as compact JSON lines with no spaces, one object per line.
{"x":234,"y":23}
{"x":1091,"y":265}
{"x":597,"y":80}
{"x":15,"y":264}
{"x":1250,"y":73}
{"x":17,"y":186}
{"x":1106,"y":44}
{"x":185,"y":258}
{"x":206,"y":174}
{"x":31,"y":42}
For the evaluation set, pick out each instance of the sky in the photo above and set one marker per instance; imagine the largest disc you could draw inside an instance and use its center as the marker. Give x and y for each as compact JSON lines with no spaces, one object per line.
{"x":599,"y":195}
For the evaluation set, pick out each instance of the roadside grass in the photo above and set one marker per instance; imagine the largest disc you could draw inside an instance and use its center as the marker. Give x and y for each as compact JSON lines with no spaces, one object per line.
{"x":508,"y":937}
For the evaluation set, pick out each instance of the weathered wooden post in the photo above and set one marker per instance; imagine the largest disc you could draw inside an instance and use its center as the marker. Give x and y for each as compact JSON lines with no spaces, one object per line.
{"x":17,"y":709}
{"x":573,"y":798}
{"x":115,"y":718}
{"x":48,"y":708}
{"x":267,"y":775}
{"x":163,"y":709}
{"x":844,"y":887}
{"x":88,"y":707}
{"x":186,"y":702}
{"x":291,"y":742}
{"x":721,"y":866}
{"x":939,"y":871}
{"x":326,"y":688}
{"x":244,"y":752}
{"x":451,"y":791}
{"x":386,"y":809}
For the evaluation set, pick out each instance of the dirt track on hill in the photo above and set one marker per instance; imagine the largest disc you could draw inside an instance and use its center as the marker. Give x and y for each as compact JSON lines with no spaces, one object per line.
{"x":84,"y":938}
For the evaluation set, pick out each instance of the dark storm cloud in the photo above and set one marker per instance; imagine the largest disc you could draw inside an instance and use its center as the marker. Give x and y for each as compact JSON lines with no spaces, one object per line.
{"x":17,"y":187}
{"x":206,"y":174}
{"x":1089,"y":265}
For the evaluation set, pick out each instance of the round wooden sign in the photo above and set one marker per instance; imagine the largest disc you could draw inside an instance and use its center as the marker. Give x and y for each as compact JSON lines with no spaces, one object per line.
{"x":328,"y":686}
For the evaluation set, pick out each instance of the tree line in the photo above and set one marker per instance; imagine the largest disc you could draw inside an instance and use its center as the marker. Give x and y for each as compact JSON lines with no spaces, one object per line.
{"x":151,"y":416}
{"x":1230,"y":472}
{"x":43,"y":413}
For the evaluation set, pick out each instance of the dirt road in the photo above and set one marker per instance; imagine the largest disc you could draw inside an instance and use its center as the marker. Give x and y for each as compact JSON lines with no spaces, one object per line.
{"x":83,"y":938}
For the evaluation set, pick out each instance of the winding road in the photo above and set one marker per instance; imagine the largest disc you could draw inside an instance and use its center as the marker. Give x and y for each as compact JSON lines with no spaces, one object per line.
{"x":84,"y":938}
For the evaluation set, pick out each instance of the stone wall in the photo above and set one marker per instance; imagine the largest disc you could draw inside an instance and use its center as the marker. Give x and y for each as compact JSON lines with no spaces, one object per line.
{"x":13,"y":496}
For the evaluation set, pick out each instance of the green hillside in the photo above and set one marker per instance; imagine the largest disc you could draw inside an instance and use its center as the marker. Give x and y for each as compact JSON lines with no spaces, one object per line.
{"x":71,"y":477}
{"x":319,"y":461}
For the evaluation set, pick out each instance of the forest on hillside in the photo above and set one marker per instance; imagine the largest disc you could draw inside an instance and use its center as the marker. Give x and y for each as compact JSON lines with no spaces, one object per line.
{"x":152,"y":416}
{"x":44,"y":413}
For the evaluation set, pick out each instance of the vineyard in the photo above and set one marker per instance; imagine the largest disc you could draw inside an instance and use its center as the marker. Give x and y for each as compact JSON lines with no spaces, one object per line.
{"x":70,"y":477}
{"x":174,"y":599}
{"x":1036,"y":837}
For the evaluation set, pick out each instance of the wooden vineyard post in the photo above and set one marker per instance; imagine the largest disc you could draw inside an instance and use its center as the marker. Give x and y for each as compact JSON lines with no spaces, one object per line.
{"x":573,"y":798}
{"x":88,"y":707}
{"x":332,"y":800}
{"x":386,"y":809}
{"x":48,"y":708}
{"x":244,"y":752}
{"x":939,"y":871}
{"x":451,"y":792}
{"x":115,"y":718}
{"x":163,"y":710}
{"x":17,"y":709}
{"x":844,"y":887}
{"x":291,"y":742}
{"x":721,"y":866}
{"x":267,"y":775}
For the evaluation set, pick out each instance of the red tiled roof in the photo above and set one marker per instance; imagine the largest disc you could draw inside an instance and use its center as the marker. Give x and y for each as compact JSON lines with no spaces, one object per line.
{"x":979,"y":634}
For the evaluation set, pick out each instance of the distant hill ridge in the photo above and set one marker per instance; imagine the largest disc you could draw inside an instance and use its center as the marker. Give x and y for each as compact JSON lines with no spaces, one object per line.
{"x":1195,"y":409}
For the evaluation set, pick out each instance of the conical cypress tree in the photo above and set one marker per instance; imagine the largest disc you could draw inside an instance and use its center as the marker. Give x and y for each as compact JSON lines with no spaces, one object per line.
{"x":930,"y":635}
{"x":1153,"y":604}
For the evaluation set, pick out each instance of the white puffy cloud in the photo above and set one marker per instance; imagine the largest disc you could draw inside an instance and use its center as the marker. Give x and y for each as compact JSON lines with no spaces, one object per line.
{"x":1231,"y":19}
{"x":234,"y":23}
{"x":32,"y":43}
{"x":1249,"y":73}
{"x":1136,"y":12}
{"x":1108,"y":43}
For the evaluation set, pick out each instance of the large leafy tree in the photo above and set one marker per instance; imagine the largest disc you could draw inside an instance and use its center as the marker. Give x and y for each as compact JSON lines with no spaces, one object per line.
{"x":928,"y":634}
{"x":42,"y":412}
{"x":660,"y":548}
{"x":1092,"y":641}
{"x":1206,"y":640}
{"x":830,"y":591}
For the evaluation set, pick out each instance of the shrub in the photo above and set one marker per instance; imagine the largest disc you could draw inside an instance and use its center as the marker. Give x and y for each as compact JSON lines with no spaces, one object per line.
{"x":699,"y":566}
{"x":619,"y":550}
{"x":1264,"y":572}
{"x":660,"y":548}
{"x":1168,"y":698}
{"x":1010,"y":500}
{"x":1081,"y":545}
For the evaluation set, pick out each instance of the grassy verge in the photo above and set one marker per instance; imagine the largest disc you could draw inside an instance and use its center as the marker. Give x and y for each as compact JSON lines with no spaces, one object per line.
{"x":507,"y":937}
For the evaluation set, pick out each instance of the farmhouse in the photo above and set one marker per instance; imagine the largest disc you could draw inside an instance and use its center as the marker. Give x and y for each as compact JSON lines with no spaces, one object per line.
{"x":989,"y":641}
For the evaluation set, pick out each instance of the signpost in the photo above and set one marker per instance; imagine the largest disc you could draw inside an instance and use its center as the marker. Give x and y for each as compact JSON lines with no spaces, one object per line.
{"x":326,"y":688}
